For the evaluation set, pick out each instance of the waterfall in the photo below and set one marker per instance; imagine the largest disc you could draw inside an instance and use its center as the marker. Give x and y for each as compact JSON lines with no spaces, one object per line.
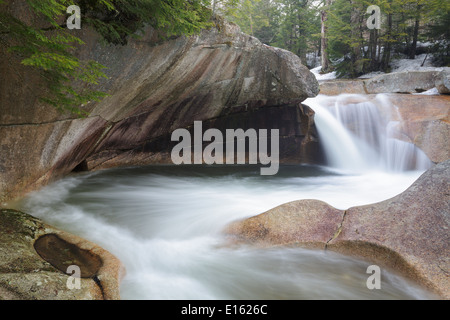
{"x":359,"y":133}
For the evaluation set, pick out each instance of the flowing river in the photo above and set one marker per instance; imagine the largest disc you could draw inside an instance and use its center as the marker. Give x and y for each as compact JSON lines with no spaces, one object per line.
{"x":164,"y":223}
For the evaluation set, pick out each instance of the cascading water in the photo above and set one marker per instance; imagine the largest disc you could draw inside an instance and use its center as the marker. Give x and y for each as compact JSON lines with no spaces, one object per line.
{"x":358,"y":133}
{"x":164,"y":222}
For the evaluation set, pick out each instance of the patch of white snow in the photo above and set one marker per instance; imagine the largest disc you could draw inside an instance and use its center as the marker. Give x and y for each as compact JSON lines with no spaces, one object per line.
{"x":325,"y":76}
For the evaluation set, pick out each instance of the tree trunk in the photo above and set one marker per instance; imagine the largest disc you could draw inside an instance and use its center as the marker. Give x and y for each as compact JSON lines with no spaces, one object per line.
{"x":355,"y":17}
{"x":387,"y":46}
{"x":412,"y":50}
{"x":325,"y":61}
{"x":372,"y":49}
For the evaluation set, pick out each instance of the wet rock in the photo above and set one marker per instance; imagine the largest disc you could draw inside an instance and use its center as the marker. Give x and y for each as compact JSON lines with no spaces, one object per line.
{"x":413,"y":226}
{"x":337,"y":87}
{"x":309,"y":223}
{"x":402,"y":82}
{"x":35,"y":258}
{"x":425,"y":121}
{"x":62,"y":254}
{"x":154,"y":87}
{"x":395,"y":82}
{"x":409,"y":233}
{"x":443,"y":82}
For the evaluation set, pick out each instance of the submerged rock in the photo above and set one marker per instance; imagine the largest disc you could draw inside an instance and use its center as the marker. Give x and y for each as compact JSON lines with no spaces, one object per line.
{"x":409,"y":233}
{"x":35,"y":258}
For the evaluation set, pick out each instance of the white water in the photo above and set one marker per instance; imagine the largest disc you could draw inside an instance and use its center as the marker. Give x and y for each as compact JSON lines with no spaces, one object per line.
{"x":359,"y":134}
{"x":164,"y":224}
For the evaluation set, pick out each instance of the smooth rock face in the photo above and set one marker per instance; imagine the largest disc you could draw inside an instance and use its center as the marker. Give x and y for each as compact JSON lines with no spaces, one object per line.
{"x":298,"y":140}
{"x":414,"y":225}
{"x":425,"y":121}
{"x":443,"y":82}
{"x":35,"y":257}
{"x":396,"y":82}
{"x":337,"y":87}
{"x":309,"y":223}
{"x":215,"y":77}
{"x":154,"y":88}
{"x":402,"y":82}
{"x":409,"y":233}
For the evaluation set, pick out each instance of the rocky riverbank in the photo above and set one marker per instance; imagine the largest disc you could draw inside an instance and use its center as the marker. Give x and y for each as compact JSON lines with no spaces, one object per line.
{"x":35,"y":261}
{"x":405,"y":82}
{"x":222,"y":77}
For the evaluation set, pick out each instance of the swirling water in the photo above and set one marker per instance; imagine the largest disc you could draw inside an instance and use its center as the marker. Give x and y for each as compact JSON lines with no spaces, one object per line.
{"x":164,"y":223}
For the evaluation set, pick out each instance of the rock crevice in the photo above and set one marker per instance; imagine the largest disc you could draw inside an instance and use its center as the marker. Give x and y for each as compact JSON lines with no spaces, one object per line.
{"x":154,"y":87}
{"x":35,"y":262}
{"x":407,"y":233}
{"x":338,"y":231}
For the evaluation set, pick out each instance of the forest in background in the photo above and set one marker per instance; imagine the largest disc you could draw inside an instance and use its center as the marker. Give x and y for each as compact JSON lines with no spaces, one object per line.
{"x":334,"y":33}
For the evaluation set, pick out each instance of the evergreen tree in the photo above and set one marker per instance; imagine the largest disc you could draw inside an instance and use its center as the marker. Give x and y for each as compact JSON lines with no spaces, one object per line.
{"x":49,"y":48}
{"x":299,"y":30}
{"x":438,"y":31}
{"x":324,"y":59}
{"x":259,"y":18}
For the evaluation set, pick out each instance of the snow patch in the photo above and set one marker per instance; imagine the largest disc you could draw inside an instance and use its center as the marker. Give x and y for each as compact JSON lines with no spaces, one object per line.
{"x":401,"y":64}
{"x":404,"y":64}
{"x":326,"y":76}
{"x":430,"y":92}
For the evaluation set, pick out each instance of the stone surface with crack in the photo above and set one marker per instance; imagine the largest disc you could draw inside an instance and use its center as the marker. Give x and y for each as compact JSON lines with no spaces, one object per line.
{"x":220,"y":76}
{"x":408,"y":233}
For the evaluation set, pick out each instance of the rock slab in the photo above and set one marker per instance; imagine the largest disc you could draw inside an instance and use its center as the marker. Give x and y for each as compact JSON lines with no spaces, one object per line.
{"x":154,"y":87}
{"x":409,"y":233}
{"x":395,"y":82}
{"x":35,"y":258}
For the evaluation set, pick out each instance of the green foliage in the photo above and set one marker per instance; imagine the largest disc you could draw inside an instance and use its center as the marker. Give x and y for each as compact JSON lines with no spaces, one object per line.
{"x":50,"y":49}
{"x":439,"y":31}
{"x":115,"y":20}
{"x":293,"y":25}
{"x":253,"y":16}
{"x":356,"y":49}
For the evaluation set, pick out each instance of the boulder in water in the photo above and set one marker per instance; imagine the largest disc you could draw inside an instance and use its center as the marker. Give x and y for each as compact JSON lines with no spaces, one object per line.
{"x":310,"y":223}
{"x":409,"y":233}
{"x":155,"y":87}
